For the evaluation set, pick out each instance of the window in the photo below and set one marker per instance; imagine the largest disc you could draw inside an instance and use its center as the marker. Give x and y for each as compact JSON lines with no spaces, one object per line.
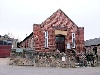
{"x":4,"y":42}
{"x":31,"y":45}
{"x":73,"y":40}
{"x":1,"y":42}
{"x":9,"y":42}
{"x":46,"y":39}
{"x":58,"y":38}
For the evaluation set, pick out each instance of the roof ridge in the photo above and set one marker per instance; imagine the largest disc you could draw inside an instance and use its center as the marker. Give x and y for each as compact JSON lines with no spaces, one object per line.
{"x":54,"y":14}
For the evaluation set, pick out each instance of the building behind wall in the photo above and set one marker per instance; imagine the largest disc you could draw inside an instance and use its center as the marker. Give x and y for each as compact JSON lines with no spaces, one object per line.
{"x":6,"y":44}
{"x":27,"y":42}
{"x":90,"y":44}
{"x":58,"y":32}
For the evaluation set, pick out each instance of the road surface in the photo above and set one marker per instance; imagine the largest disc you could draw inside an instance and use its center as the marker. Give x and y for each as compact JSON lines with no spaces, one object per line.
{"x":5,"y":69}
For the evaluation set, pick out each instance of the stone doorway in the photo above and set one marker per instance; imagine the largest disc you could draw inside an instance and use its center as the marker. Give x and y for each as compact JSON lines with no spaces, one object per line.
{"x":60,"y":42}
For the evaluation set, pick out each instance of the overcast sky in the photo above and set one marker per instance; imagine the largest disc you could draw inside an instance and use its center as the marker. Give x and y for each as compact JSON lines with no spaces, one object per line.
{"x":18,"y":16}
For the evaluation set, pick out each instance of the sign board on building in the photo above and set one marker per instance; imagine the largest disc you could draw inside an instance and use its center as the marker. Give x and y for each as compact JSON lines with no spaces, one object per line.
{"x":68,"y":46}
{"x":60,"y":32}
{"x":63,"y":58}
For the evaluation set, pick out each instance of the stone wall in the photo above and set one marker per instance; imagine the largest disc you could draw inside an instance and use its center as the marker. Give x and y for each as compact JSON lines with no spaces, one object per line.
{"x":42,"y":59}
{"x":54,"y":60}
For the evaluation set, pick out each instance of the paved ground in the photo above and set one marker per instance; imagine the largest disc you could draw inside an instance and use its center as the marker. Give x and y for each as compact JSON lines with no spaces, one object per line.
{"x":5,"y":69}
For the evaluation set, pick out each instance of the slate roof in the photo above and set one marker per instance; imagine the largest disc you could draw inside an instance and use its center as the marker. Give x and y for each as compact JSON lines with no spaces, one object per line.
{"x":91,"y":42}
{"x":27,"y":37}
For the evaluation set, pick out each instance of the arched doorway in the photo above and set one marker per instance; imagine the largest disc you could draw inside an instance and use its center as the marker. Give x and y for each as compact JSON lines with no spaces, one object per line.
{"x":60,"y":42}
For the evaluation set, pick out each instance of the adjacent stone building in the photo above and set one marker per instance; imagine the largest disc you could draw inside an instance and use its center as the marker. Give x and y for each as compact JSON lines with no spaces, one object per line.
{"x":91,"y":44}
{"x":27,"y":42}
{"x":58,"y":32}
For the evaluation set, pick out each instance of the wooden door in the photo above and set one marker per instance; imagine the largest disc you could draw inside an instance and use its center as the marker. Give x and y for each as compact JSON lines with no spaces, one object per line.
{"x":60,"y":43}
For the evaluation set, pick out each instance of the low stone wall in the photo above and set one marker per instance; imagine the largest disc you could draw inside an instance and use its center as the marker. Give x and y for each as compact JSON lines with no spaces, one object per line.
{"x":54,"y":60}
{"x":41,"y":59}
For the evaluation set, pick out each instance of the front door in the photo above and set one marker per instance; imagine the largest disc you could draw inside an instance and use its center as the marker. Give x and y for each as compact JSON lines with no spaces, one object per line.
{"x":60,"y":43}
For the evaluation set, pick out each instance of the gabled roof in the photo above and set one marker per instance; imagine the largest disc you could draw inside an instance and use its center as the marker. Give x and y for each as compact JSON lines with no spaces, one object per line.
{"x":27,"y":37}
{"x":58,"y":14}
{"x":91,"y":42}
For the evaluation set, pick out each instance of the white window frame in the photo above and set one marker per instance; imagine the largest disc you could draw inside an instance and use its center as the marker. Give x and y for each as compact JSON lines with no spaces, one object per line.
{"x":73,"y":42}
{"x":46,"y":39}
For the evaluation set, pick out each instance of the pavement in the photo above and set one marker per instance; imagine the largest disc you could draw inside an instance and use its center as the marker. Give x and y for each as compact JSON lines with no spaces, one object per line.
{"x":5,"y":69}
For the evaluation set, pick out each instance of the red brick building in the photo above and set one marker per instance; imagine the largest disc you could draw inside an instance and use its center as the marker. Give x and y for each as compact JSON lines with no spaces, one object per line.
{"x":57,"y":32}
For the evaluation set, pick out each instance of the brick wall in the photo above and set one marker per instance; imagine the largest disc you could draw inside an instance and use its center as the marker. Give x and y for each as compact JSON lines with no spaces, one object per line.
{"x":27,"y":42}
